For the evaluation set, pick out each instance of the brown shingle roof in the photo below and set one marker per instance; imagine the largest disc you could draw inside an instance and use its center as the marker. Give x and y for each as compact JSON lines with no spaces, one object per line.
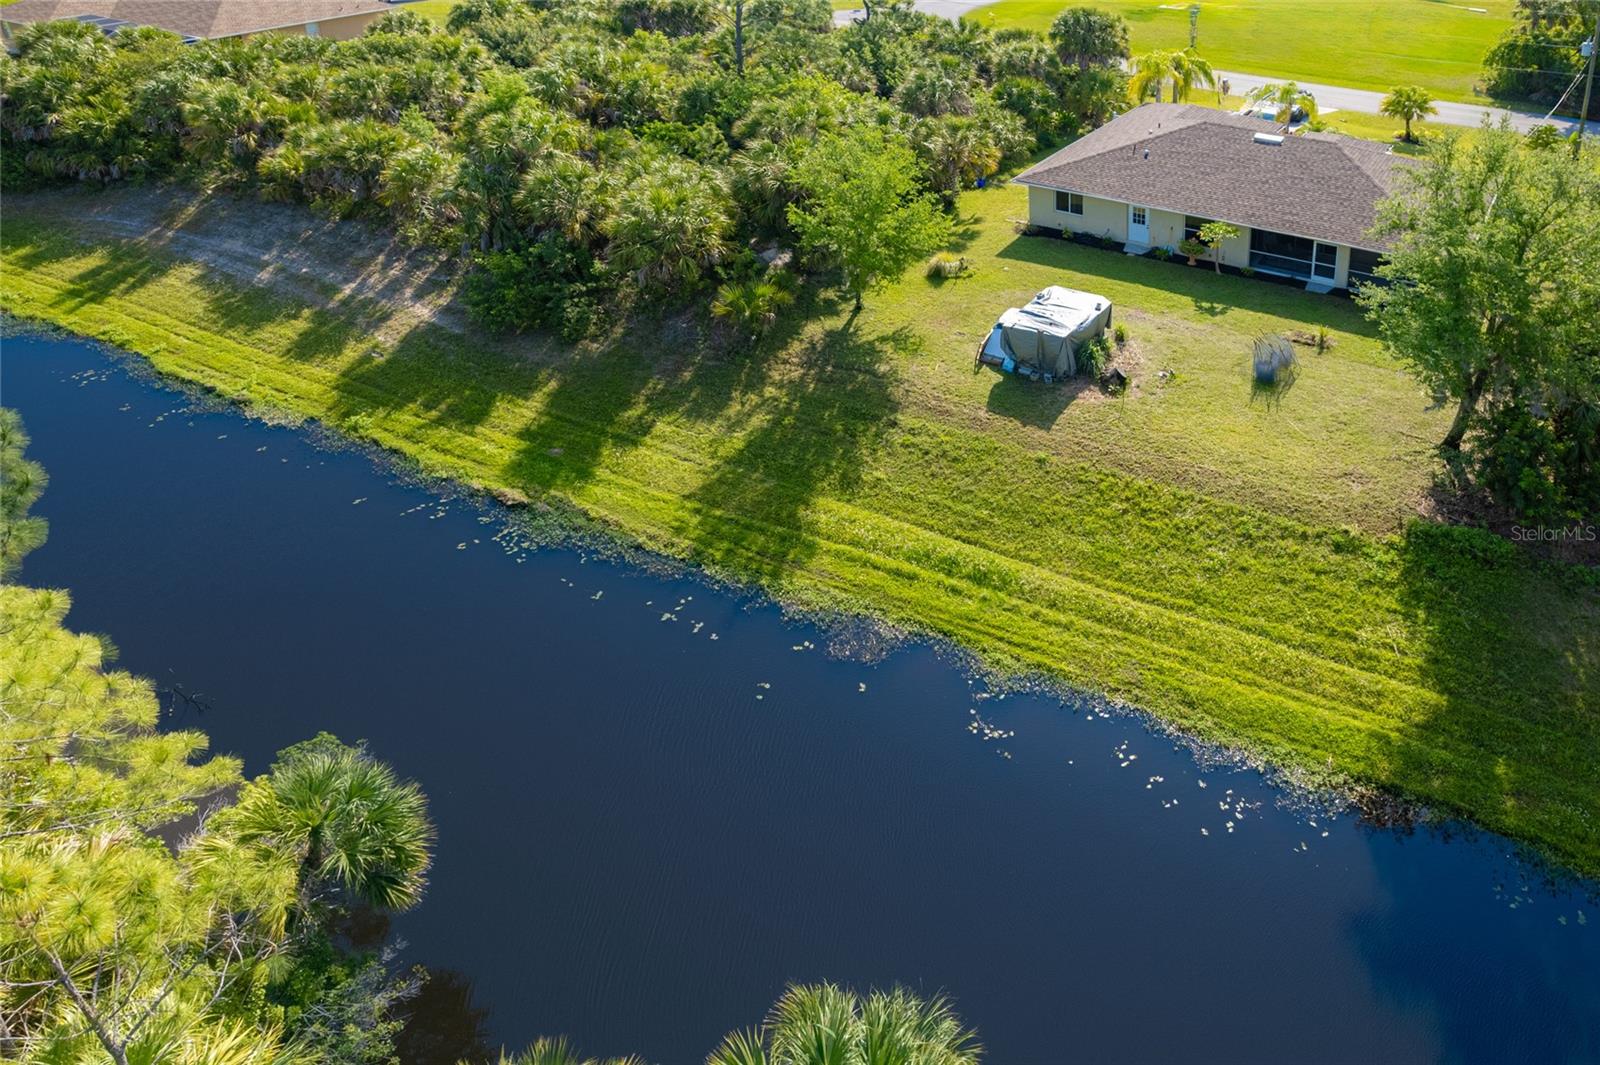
{"x":195,"y":18}
{"x":1207,"y":163}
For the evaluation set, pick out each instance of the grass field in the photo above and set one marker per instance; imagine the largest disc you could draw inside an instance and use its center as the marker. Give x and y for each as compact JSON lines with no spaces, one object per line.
{"x":437,"y":10}
{"x":1367,"y":44}
{"x":1241,"y":566}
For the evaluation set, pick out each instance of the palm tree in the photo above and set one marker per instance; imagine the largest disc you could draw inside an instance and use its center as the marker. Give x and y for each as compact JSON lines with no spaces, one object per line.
{"x":1086,"y":37}
{"x":821,"y":1024}
{"x":670,"y":224}
{"x":763,"y":180}
{"x":342,"y":818}
{"x":568,"y":195}
{"x":753,"y":305}
{"x":1183,"y":68}
{"x":1408,"y":103}
{"x":942,"y":87}
{"x":506,"y":132}
{"x":558,"y":1051}
{"x":957,"y":152}
{"x":1284,"y":97}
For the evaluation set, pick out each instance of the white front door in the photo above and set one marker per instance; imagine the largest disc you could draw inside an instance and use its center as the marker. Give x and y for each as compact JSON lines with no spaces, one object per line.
{"x":1138,"y":225}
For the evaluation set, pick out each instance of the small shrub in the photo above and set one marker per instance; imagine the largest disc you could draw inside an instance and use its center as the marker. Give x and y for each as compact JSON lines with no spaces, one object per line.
{"x":1163,"y":253}
{"x":1542,"y":466}
{"x":1093,"y":356}
{"x":1545,"y":138}
{"x":1247,"y":271}
{"x":530,"y":288}
{"x":1322,"y":339}
{"x":946,"y":264}
{"x":1120,"y":333}
{"x":580,"y":315}
{"x":752,"y":305}
{"x":1273,"y":360}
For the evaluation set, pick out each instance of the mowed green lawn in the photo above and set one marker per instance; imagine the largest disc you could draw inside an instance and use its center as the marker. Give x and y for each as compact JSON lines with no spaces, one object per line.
{"x":437,"y":10}
{"x":1367,"y":44}
{"x":1238,"y":565}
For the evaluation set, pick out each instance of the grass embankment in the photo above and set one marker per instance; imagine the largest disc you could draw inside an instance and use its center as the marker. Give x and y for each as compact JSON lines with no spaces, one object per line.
{"x":1366,"y":44}
{"x":1180,"y":548}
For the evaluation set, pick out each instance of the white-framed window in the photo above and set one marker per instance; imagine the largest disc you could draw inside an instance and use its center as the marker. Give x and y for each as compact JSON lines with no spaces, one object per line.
{"x":1139,"y":217}
{"x":1069,"y":202}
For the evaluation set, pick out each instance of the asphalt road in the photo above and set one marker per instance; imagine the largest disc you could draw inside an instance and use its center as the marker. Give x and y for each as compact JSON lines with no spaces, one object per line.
{"x":1329,"y":97}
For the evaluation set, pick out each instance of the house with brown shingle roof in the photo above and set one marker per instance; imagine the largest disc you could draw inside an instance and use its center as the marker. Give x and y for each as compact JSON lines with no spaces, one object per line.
{"x":1304,"y":204}
{"x":202,"y":19}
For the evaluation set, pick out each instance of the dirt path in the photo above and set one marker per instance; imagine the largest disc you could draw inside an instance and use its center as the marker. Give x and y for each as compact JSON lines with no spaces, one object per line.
{"x":283,"y":247}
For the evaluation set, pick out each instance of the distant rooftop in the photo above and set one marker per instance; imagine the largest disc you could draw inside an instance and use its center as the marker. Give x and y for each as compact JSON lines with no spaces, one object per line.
{"x":191,"y":18}
{"x":1210,"y":164}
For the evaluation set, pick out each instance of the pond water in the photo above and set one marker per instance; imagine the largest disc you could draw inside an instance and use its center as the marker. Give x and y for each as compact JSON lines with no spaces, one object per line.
{"x":659,"y":801}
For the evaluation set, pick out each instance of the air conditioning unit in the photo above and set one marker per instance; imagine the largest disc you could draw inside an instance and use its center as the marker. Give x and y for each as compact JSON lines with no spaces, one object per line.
{"x":1268,"y":138}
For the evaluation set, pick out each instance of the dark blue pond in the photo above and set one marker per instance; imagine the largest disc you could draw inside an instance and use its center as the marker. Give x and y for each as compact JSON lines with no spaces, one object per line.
{"x":659,"y":802}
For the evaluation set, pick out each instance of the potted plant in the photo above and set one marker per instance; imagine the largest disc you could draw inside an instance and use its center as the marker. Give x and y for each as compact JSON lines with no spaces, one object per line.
{"x":1193,"y":248}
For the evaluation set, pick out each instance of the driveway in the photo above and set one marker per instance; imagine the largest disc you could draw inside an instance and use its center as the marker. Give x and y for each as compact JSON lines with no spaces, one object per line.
{"x":1329,"y":97}
{"x":1337,"y":97}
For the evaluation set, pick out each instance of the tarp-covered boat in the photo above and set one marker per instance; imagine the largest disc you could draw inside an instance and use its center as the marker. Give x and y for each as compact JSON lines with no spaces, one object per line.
{"x":1042,"y":338}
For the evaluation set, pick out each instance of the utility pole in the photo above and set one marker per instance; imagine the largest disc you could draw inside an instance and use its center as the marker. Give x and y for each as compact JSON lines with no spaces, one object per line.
{"x":1588,"y":87}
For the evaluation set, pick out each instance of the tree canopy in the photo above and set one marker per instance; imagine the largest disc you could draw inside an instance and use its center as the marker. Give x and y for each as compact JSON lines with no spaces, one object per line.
{"x":118,"y":943}
{"x":863,"y":208}
{"x":1408,"y":103}
{"x":1087,"y":37}
{"x":652,"y":146}
{"x":1492,"y":300}
{"x":1540,"y":55}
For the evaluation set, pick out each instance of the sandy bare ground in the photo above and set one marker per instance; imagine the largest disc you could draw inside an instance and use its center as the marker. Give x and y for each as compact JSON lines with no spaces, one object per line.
{"x":282,"y":247}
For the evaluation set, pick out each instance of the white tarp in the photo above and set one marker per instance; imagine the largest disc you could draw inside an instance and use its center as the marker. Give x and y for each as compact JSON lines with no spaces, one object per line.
{"x":1045,"y":334}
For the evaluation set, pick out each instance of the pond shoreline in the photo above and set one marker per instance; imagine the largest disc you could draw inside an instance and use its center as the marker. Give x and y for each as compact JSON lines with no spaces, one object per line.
{"x":632,"y":792}
{"x":851,"y":636}
{"x":1146,"y":650}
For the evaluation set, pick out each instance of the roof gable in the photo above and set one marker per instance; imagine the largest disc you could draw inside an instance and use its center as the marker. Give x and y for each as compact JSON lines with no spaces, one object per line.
{"x":1207,"y":163}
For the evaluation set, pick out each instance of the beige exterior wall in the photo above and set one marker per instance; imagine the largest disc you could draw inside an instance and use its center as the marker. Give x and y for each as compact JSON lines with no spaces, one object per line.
{"x":343,"y":28}
{"x":1103,"y":218}
{"x":1341,"y":270}
{"x":1109,"y":218}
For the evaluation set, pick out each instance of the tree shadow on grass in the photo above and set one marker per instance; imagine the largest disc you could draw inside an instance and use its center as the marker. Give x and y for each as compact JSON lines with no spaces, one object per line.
{"x":116,"y":275}
{"x":319,"y":326}
{"x":966,"y":229}
{"x":595,"y":400}
{"x":454,"y":381}
{"x":1213,"y":294}
{"x":725,"y":366}
{"x":1033,"y":403}
{"x":1512,"y":648}
{"x":817,"y":429}
{"x":663,"y":366}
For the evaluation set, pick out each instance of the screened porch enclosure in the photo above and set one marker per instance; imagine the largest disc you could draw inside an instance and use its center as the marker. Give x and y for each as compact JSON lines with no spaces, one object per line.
{"x":1280,"y":253}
